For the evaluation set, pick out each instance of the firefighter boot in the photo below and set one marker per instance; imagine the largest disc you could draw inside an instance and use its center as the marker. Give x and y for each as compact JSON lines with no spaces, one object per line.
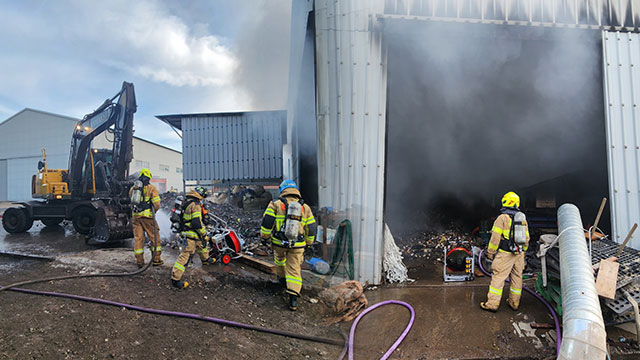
{"x":513,"y":304}
{"x":210,"y":261}
{"x":484,"y":306}
{"x":293,"y":302}
{"x":180,"y":284}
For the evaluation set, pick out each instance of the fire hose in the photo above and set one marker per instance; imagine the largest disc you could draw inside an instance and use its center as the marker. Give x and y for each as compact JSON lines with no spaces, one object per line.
{"x":553,"y":313}
{"x":348,"y":344}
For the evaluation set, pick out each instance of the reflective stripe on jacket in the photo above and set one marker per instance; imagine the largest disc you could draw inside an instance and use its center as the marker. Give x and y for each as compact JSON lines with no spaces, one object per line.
{"x":150,"y":195}
{"x":193,"y":222}
{"x":502,"y":230}
{"x":275,"y":214}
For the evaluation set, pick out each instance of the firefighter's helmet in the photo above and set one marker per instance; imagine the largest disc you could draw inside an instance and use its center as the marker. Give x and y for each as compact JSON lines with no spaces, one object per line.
{"x":510,"y":200}
{"x":287,"y":184}
{"x":202,"y":191}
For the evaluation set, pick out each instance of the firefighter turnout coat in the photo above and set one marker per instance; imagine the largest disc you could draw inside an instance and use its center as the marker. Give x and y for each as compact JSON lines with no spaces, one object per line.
{"x":288,"y":260}
{"x":193,"y":231}
{"x":143,"y":222}
{"x":505,"y":264}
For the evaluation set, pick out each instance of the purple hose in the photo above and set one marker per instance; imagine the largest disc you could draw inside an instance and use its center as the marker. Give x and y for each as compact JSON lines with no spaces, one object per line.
{"x":180,"y":314}
{"x":553,"y":313}
{"x":395,"y":345}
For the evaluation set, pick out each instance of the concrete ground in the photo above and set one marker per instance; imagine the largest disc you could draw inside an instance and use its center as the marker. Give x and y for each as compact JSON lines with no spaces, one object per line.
{"x":449,"y":323}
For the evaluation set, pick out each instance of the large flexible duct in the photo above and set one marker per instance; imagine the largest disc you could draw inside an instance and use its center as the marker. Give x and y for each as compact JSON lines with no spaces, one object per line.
{"x":584,"y":335}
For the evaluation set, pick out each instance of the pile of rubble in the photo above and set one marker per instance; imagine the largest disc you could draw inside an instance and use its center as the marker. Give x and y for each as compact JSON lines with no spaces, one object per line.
{"x":252,"y":197}
{"x":245,"y":222}
{"x":427,"y":244}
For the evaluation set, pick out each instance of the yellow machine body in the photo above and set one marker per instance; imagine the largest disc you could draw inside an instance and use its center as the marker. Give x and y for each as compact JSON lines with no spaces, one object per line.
{"x":49,"y":183}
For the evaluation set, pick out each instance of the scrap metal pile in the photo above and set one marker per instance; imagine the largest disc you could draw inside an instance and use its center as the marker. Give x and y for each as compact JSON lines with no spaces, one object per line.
{"x":429,"y":244}
{"x":246,"y":223}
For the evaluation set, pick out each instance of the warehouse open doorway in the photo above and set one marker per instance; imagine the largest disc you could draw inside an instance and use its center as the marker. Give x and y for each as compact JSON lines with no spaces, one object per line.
{"x":476,"y":110}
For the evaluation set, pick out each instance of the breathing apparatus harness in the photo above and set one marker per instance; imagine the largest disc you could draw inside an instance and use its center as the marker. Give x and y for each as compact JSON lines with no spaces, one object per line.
{"x":180,"y":204}
{"x":137,"y":195}
{"x":517,"y":232}
{"x":289,"y":231}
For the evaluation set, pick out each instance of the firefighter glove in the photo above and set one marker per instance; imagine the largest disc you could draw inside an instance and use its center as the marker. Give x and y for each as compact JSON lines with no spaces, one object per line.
{"x":490,"y":256}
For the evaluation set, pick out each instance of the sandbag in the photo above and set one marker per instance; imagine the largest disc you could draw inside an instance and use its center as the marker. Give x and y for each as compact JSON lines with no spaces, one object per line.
{"x":344,"y":301}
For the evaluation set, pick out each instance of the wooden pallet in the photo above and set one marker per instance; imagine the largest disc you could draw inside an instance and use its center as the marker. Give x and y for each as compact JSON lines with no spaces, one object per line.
{"x":261,"y":265}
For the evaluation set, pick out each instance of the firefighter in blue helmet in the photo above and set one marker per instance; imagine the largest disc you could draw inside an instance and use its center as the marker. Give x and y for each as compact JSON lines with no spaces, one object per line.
{"x":290,"y":226}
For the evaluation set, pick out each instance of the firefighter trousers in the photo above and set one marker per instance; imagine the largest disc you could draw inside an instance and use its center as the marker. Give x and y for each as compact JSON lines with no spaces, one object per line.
{"x":192,"y":246}
{"x":288,"y":263}
{"x":504,"y":265}
{"x":141,"y":226}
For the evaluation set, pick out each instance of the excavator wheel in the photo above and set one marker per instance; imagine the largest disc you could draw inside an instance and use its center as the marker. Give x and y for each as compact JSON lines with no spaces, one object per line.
{"x":16,"y":220}
{"x":83,"y":219}
{"x":51,"y":221}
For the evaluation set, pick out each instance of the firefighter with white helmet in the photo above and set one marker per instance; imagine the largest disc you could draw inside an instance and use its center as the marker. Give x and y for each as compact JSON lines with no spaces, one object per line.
{"x":144,"y":218}
{"x":289,"y":223}
{"x":507,"y":247}
{"x":194,"y":233}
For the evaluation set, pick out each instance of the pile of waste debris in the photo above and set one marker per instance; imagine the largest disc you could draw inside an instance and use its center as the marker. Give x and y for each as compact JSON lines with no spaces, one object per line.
{"x":430,"y":244}
{"x":252,"y":197}
{"x":245,"y":222}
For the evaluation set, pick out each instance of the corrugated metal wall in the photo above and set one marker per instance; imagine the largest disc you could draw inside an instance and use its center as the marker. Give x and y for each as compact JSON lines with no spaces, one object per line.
{"x":584,"y":13}
{"x":622,"y":93}
{"x":234,"y":147}
{"x":351,"y":101}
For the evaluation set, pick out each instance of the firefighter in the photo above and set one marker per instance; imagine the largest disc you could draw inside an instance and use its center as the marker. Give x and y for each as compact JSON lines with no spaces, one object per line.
{"x":288,"y":252}
{"x":194,"y":235}
{"x":507,"y":256}
{"x":144,"y":220}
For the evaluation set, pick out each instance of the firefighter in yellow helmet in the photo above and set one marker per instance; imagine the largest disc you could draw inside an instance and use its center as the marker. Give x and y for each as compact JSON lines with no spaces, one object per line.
{"x":507,"y":247}
{"x":290,"y":225}
{"x":194,"y":233}
{"x":144,"y":219}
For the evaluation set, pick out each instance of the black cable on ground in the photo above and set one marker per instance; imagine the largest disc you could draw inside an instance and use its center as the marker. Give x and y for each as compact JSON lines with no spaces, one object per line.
{"x":80,"y":276}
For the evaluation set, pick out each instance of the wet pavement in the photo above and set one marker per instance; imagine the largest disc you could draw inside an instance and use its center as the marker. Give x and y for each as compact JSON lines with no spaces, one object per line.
{"x":449,"y":322}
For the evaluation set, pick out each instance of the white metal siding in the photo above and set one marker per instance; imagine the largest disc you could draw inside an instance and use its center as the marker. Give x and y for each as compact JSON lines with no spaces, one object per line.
{"x":151,"y":155}
{"x":351,"y":101}
{"x":622,"y":95}
{"x":21,"y":139}
{"x":579,"y":13}
{"x":3,"y":180}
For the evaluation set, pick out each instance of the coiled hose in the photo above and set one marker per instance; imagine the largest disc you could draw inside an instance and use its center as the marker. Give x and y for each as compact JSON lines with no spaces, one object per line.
{"x":549,"y":307}
{"x":349,"y":344}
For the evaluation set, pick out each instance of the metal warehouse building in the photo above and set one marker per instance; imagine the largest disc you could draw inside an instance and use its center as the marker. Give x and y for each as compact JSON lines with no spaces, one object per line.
{"x":410,"y":100}
{"x":23,"y":135}
{"x":231,"y":148}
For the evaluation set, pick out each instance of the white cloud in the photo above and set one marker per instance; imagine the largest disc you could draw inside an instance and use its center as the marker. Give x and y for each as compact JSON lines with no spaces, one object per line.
{"x":141,"y":37}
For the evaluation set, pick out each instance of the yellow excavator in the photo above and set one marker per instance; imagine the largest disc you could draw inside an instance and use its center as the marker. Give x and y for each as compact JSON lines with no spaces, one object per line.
{"x":93,"y":192}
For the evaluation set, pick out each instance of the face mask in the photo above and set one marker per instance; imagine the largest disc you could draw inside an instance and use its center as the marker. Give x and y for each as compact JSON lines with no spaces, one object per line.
{"x":145,"y":180}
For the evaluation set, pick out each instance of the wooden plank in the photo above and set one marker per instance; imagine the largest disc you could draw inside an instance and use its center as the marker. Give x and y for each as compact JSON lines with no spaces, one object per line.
{"x":607,"y":279}
{"x":626,"y":240}
{"x":261,"y":265}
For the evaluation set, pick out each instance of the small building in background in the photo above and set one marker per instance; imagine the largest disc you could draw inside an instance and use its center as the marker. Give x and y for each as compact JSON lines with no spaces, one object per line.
{"x":225,"y":149}
{"x":25,"y":134}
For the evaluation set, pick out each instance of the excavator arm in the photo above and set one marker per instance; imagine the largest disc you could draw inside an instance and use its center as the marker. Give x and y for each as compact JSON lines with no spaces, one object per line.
{"x":115,"y":115}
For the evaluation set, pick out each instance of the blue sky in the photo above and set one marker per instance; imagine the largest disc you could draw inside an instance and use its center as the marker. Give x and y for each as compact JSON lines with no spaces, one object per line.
{"x":67,"y":56}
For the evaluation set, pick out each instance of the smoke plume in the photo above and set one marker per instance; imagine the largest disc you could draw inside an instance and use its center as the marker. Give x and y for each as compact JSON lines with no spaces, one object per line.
{"x":478,"y":110}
